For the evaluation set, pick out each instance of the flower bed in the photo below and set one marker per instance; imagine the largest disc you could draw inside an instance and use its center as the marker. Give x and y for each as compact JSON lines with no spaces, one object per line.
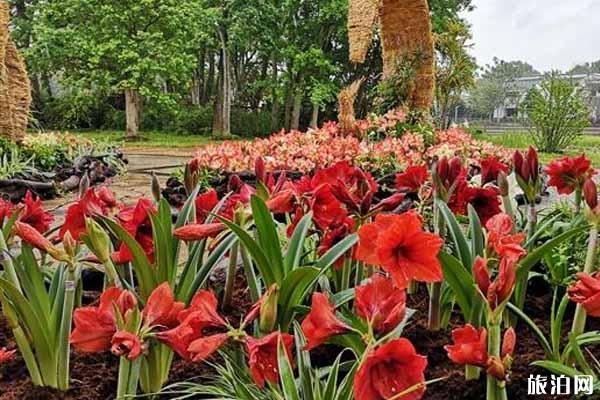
{"x":324,"y":283}
{"x":320,"y":148}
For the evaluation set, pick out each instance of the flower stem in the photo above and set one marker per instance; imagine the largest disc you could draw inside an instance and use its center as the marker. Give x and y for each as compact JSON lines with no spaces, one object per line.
{"x":496,"y":390}
{"x":435,"y":292}
{"x":531,"y":219}
{"x":230,"y":279}
{"x":508,"y":208}
{"x":578,"y":326}
{"x":578,"y":200}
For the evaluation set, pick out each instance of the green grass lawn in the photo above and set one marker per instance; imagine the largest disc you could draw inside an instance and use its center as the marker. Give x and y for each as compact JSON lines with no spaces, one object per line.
{"x":149,"y":139}
{"x":590,"y":145}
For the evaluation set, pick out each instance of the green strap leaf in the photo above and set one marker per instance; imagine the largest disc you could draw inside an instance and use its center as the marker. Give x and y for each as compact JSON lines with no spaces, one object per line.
{"x":296,"y":243}
{"x":461,"y":245}
{"x":460,"y":281}
{"x":267,"y":236}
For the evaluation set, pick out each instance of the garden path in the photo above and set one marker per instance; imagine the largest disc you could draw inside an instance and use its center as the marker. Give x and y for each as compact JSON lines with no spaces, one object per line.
{"x":136,"y":182}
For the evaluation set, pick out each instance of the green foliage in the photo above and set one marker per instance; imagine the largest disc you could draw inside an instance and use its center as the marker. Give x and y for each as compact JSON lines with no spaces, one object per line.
{"x":455,"y":69}
{"x":393,"y":92}
{"x":556,"y":112}
{"x":117,"y":45}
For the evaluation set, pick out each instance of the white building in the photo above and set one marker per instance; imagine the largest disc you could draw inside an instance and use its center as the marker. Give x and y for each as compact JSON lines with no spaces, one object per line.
{"x":518,"y":88}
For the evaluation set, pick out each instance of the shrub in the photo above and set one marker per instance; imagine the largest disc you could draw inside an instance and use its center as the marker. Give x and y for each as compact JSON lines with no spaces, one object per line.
{"x":556,"y":113}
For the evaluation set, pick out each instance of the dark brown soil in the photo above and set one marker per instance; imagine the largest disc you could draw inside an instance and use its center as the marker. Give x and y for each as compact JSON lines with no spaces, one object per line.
{"x":94,"y":376}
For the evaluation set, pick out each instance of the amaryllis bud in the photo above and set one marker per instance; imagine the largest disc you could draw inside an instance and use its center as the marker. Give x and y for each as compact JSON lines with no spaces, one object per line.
{"x":99,"y":241}
{"x":190,"y":178}
{"x":235,"y":183}
{"x":259,"y":169}
{"x":195,"y":232}
{"x":518,"y":162}
{"x":481,"y":274}
{"x":503,"y":185}
{"x":69,"y":244}
{"x":391,"y":203}
{"x":532,"y":161}
{"x":495,"y":368}
{"x":30,"y":235}
{"x":268,"y":310}
{"x":84,"y":185}
{"x":455,"y":169}
{"x":365,"y":204}
{"x":194,"y":165}
{"x":509,"y":342}
{"x":155,"y":188}
{"x":443,"y":169}
{"x":590,"y":193}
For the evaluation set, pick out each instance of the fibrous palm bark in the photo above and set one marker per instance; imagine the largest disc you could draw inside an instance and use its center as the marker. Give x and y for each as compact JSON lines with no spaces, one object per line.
{"x":15,"y":87}
{"x":405,"y":32}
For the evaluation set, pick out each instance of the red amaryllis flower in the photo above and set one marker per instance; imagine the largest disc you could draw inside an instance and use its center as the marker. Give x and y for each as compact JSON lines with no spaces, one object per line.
{"x":180,"y":337}
{"x":501,"y":240}
{"x":586,"y":291}
{"x":6,"y":208}
{"x":88,"y":206}
{"x":262,"y":356}
{"x":568,"y":173}
{"x":195,"y":232}
{"x":33,"y":214}
{"x":390,"y":370}
{"x":95,"y":326}
{"x":282,"y":202}
{"x":6,"y":355}
{"x":161,"y":309}
{"x":490,"y":168}
{"x":205,"y":204}
{"x":333,"y":236}
{"x":381,"y":304}
{"x":321,"y":323}
{"x":203,"y":311}
{"x":400,"y":246}
{"x":470,"y":346}
{"x":485,"y":201}
{"x":457,"y":202}
{"x":136,"y":221}
{"x":204,"y":347}
{"x":412,"y":178}
{"x":107,"y":197}
{"x":498,"y":291}
{"x":327,"y":209}
{"x":126,"y":344}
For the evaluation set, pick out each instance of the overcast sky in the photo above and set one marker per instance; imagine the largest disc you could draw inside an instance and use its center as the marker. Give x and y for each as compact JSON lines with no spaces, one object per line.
{"x":548,"y":34}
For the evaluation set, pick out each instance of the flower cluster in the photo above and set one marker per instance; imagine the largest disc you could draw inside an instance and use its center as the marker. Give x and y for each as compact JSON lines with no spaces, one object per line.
{"x":319,"y":148}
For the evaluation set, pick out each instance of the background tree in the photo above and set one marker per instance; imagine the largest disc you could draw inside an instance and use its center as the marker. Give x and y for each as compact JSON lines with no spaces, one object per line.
{"x":455,"y":69}
{"x":134,"y":47}
{"x":495,"y":85}
{"x":557,"y":112}
{"x":586,"y":68}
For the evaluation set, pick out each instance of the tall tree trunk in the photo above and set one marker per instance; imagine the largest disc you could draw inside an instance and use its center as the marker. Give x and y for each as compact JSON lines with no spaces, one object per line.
{"x":314,"y":120}
{"x":275,"y":105}
{"x":295,"y":121}
{"x":133,"y":102}
{"x":210,"y":80}
{"x":222,"y":124}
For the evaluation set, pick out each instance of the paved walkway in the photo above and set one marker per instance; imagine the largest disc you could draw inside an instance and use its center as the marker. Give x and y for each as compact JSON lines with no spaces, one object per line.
{"x":136,"y":183}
